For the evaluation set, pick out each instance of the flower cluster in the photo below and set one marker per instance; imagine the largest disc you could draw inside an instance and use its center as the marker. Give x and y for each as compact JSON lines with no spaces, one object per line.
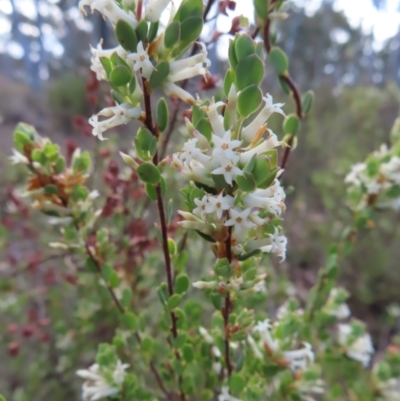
{"x":376,"y":182}
{"x":235,"y":173}
{"x":357,"y":345}
{"x":102,"y":383}
{"x":144,"y":52}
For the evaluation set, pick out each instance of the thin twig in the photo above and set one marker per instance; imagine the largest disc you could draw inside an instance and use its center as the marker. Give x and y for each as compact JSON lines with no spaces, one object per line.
{"x":228,"y":305}
{"x":294,"y":92}
{"x":174,"y":116}
{"x":163,"y":222}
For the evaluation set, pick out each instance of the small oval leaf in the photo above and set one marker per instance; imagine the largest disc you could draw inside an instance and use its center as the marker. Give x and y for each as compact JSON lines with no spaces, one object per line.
{"x":172,"y":34}
{"x":120,"y":75}
{"x":191,"y":29}
{"x":249,"y":71}
{"x":249,"y":100}
{"x":279,"y":60}
{"x":162,"y":114}
{"x":126,"y":35}
{"x":159,"y":75}
{"x":244,"y":47}
{"x":149,"y":173}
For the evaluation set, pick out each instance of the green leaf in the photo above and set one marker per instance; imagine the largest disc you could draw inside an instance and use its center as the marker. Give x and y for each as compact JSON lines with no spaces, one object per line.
{"x":117,"y":97}
{"x":233,"y":61}
{"x":38,"y":157}
{"x":172,"y":247}
{"x":223,"y":268}
{"x":236,"y":383}
{"x":268,"y":179}
{"x":129,"y":320}
{"x":307,"y":102}
{"x":244,"y":47}
{"x":246,"y":182}
{"x":162,"y":292}
{"x":182,"y":284}
{"x":278,"y":60}
{"x":228,"y":81}
{"x":91,"y":265}
{"x":188,"y":353}
{"x":151,"y":191}
{"x":149,"y":173}
{"x":174,"y":301}
{"x":204,"y":127}
{"x":249,"y":100}
{"x":51,"y":189}
{"x":126,"y":35}
{"x":249,"y":255}
{"x":261,"y":169}
{"x":261,"y":8}
{"x":206,"y":236}
{"x":250,"y":71}
{"x":107,"y":65}
{"x":132,"y":84}
{"x":142,"y":31}
{"x":291,"y":124}
{"x":2,"y":398}
{"x":191,"y":29}
{"x":120,"y":75}
{"x":162,"y":114}
{"x":110,"y":276}
{"x":285,"y":87}
{"x":172,"y":34}
{"x":159,"y":75}
{"x":24,"y":134}
{"x":146,"y":144}
{"x":126,"y":299}
{"x":260,"y":50}
{"x":189,"y":8}
{"x":153,"y":31}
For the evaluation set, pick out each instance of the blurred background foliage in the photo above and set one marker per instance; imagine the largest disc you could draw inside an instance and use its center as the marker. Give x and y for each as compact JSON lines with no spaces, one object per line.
{"x":44,"y":72}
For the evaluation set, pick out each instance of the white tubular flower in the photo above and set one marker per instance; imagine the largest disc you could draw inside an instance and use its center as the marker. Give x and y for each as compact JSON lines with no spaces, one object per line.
{"x":191,"y":221}
{"x":354,"y":177}
{"x":218,"y":204}
{"x":390,"y":389}
{"x":239,"y":219}
{"x":391,"y":169}
{"x":97,"y":53}
{"x":225,"y":147}
{"x":203,"y":285}
{"x":18,"y":158}
{"x":118,"y":115}
{"x":180,"y":70}
{"x":173,"y":89}
{"x":299,"y":359}
{"x":269,"y":108}
{"x":206,"y":335}
{"x":198,"y":60}
{"x":277,"y":246}
{"x":99,"y":384}
{"x":191,"y":152}
{"x":201,"y":209}
{"x":109,"y":9}
{"x":228,"y":169}
{"x":225,"y":396}
{"x":196,"y":172}
{"x":266,"y":145}
{"x":141,"y":61}
{"x":154,"y":8}
{"x":254,"y":347}
{"x":216,"y":120}
{"x":332,"y":307}
{"x":264,"y":328}
{"x":271,"y":199}
{"x":361,"y":349}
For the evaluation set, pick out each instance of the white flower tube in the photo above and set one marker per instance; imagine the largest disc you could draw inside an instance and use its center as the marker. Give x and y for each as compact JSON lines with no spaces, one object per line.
{"x":154,"y":8}
{"x":118,"y":115}
{"x":109,"y":9}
